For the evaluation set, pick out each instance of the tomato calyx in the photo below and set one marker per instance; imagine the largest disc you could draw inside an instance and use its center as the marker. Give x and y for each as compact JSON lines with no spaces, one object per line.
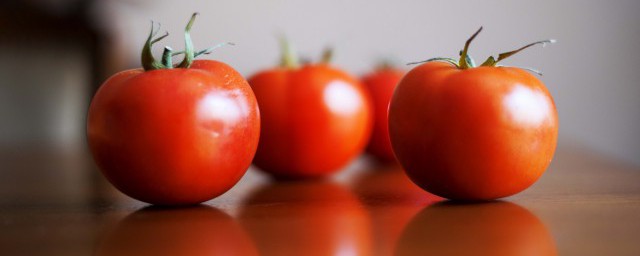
{"x":327,"y":56}
{"x":384,"y":64}
{"x":150,"y":63}
{"x":290,"y":59}
{"x":465,"y":61}
{"x":492,"y":61}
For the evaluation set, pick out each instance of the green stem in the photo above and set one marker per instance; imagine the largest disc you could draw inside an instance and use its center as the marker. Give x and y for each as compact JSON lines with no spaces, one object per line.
{"x":166,"y":57}
{"x":469,"y":60}
{"x":327,"y":56}
{"x":464,"y":60}
{"x":205,"y":51}
{"x":384,"y":64}
{"x":189,"y":55}
{"x":150,"y":63}
{"x":210,"y":49}
{"x":289,"y":58}
{"x":491,"y":61}
{"x":448,"y":60}
{"x":147,"y":59}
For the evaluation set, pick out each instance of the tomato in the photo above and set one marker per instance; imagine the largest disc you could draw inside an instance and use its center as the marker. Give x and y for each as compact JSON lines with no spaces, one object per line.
{"x":174,"y":136}
{"x":493,"y":228}
{"x":473,"y":133}
{"x":315,"y":120}
{"x":381,"y":84}
{"x":311,"y":217}
{"x":199,"y":230}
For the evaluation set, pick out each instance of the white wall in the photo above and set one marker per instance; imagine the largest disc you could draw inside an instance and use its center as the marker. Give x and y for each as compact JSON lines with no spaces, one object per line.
{"x":592,"y":72}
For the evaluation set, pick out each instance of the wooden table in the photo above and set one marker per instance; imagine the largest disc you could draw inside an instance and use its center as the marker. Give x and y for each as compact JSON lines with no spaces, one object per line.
{"x":54,"y":203}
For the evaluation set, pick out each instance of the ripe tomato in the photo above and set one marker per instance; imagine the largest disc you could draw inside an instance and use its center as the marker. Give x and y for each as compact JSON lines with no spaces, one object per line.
{"x":381,"y":84}
{"x":174,"y":136}
{"x":473,"y":133}
{"x":315,"y":120}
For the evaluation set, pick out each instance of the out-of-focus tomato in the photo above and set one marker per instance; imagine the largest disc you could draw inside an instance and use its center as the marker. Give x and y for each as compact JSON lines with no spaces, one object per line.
{"x":473,"y":133}
{"x":491,"y":229}
{"x":306,"y":218}
{"x":174,"y":136}
{"x":381,"y":84}
{"x":315,"y":119}
{"x":199,"y":230}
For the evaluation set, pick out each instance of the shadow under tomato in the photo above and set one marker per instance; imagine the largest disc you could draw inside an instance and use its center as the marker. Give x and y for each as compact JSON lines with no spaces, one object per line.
{"x":306,"y":218}
{"x":391,"y":200}
{"x":199,"y":230}
{"x":491,"y":228}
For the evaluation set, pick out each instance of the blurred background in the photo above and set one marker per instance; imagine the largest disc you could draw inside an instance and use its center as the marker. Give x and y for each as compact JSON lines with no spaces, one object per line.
{"x":55,"y":54}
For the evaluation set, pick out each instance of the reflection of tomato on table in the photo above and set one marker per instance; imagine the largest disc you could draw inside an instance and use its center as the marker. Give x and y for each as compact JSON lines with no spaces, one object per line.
{"x":492,"y":229}
{"x":198,"y":230}
{"x":306,"y":218}
{"x":391,"y":200}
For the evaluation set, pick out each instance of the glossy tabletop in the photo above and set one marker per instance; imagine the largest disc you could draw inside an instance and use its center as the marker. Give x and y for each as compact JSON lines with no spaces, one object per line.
{"x":55,"y":203}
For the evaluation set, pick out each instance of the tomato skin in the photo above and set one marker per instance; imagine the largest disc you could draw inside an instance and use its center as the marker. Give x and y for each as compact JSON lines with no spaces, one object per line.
{"x":476,"y":134}
{"x":315,"y":120}
{"x":381,"y":85}
{"x":174,"y":136}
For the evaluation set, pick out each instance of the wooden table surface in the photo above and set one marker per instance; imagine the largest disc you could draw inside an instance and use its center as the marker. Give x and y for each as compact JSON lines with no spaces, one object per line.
{"x":54,"y":203}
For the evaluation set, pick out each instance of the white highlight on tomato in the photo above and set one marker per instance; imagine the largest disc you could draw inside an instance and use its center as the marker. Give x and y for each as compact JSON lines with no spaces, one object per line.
{"x":219,"y":111}
{"x":527,"y":106}
{"x":342,"y":98}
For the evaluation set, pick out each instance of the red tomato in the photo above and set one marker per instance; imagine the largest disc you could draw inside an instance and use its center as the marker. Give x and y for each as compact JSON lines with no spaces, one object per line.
{"x":381,"y":84}
{"x":174,"y":136}
{"x":315,"y":120}
{"x":472,"y":133}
